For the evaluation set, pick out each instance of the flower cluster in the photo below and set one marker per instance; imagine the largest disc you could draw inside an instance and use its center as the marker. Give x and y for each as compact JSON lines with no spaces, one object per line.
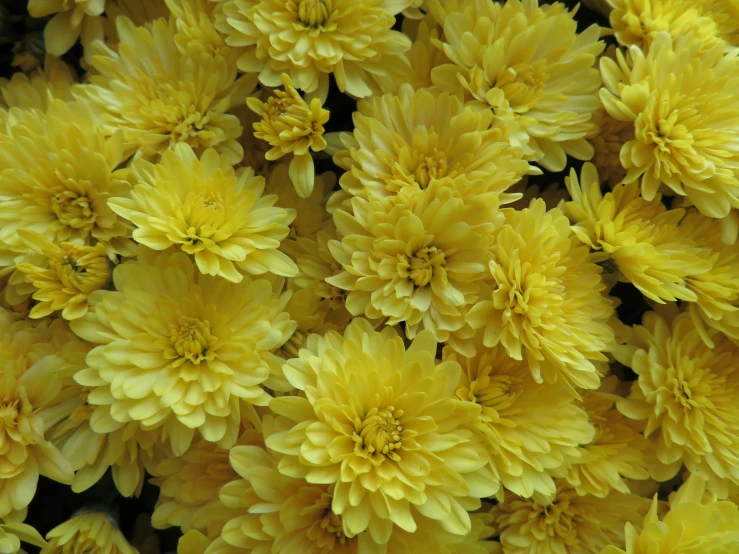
{"x":300,"y":277}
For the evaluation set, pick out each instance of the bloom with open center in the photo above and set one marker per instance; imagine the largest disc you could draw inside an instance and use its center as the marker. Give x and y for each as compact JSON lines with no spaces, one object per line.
{"x":310,"y":39}
{"x":642,"y":238}
{"x":419,"y":264}
{"x":532,"y":431}
{"x":527,"y":63}
{"x":179,"y":349}
{"x":546,"y":304}
{"x":686,"y":120}
{"x":566,"y":523}
{"x":291,"y":126}
{"x":219,"y":216}
{"x":686,"y":393}
{"x":379,"y":423}
{"x":403,"y":143}
{"x":160,"y":96}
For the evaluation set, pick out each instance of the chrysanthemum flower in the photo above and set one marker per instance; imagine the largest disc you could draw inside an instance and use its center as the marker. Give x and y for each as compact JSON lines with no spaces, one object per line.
{"x":219,"y":216}
{"x":420,"y":264}
{"x":527,"y":63}
{"x":73,"y":273}
{"x":379,"y":424}
{"x":40,"y":88}
{"x":189,"y":486}
{"x":180,"y":350}
{"x":194,"y":21}
{"x":72,"y":19}
{"x":607,"y":142}
{"x":12,"y":534}
{"x":691,"y":526}
{"x":686,"y":120}
{"x":291,"y":126}
{"x":92,"y":532}
{"x":160,"y":96}
{"x":309,"y":39}
{"x":405,"y":143}
{"x":29,"y":364}
{"x":618,"y":451}
{"x":532,"y":431}
{"x":642,"y":238}
{"x":546,"y":305}
{"x":686,"y":393}
{"x":565,"y":523}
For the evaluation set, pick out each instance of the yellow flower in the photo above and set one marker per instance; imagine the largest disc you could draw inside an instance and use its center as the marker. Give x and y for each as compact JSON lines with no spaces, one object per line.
{"x":219,"y":216}
{"x":532,"y":431}
{"x":546,"y":305}
{"x":419,"y":264}
{"x":618,"y":451}
{"x":565,"y":523}
{"x":690,"y":527}
{"x":11,"y":535}
{"x":73,"y":273}
{"x":642,"y":238}
{"x":404,"y":143}
{"x":189,"y":486}
{"x":92,"y":532}
{"x":291,"y":126}
{"x":607,"y":142}
{"x":38,"y":89}
{"x":194,"y":21}
{"x":379,"y":424}
{"x":29,"y":364}
{"x":180,"y":350}
{"x":309,"y":39}
{"x":72,"y":19}
{"x":686,"y":393}
{"x":423,"y":55}
{"x":527,"y":63}
{"x":678,"y":122}
{"x":159,"y":96}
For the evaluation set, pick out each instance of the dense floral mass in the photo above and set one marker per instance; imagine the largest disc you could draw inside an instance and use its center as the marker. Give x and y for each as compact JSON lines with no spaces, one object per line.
{"x":369,"y":277}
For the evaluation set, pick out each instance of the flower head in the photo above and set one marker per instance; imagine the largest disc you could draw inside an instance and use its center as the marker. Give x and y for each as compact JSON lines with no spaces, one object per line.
{"x":310,"y":39}
{"x":532,"y":431}
{"x":686,"y":393}
{"x":681,"y":100}
{"x":219,"y":216}
{"x":71,"y":20}
{"x":194,"y":21}
{"x":73,"y":273}
{"x":180,"y":350}
{"x":160,"y":96}
{"x":527,"y":63}
{"x":291,"y":126}
{"x":546,"y":305}
{"x":379,"y":424}
{"x":92,"y":532}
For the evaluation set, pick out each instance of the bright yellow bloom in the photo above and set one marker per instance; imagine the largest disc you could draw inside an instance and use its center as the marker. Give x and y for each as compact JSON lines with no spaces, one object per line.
{"x":11,"y":535}
{"x":380,"y":424}
{"x":291,"y":126}
{"x":73,"y":273}
{"x":607,"y":142}
{"x":194,"y":22}
{"x":690,"y":527}
{"x":686,"y":392}
{"x":219,"y":216}
{"x":37,"y":90}
{"x":72,"y":19}
{"x":159,"y":96}
{"x":546,"y":304}
{"x":565,"y":523}
{"x":642,"y":238}
{"x":309,"y":39}
{"x":618,"y":451}
{"x":405,"y":143}
{"x":420,"y":264}
{"x":532,"y":431}
{"x":527,"y":63}
{"x":29,"y":364}
{"x":92,"y":532}
{"x":180,"y":350}
{"x":686,"y":120}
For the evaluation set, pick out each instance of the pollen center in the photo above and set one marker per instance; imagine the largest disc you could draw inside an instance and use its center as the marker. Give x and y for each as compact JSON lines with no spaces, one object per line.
{"x":314,"y":13}
{"x":192,"y":339}
{"x":379,"y":433}
{"x":73,"y":210}
{"x":523,"y":85}
{"x":497,"y":391}
{"x":420,"y":267}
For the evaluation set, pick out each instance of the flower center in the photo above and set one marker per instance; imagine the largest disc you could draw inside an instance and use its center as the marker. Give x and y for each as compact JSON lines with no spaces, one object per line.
{"x":430,"y":167}
{"x":523,"y":84}
{"x":9,"y":414}
{"x":420,"y":267}
{"x":73,"y":210}
{"x":192,"y":339}
{"x":84,"y":268}
{"x":556,"y":518}
{"x":379,"y":434}
{"x":496,"y":391}
{"x":314,"y":13}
